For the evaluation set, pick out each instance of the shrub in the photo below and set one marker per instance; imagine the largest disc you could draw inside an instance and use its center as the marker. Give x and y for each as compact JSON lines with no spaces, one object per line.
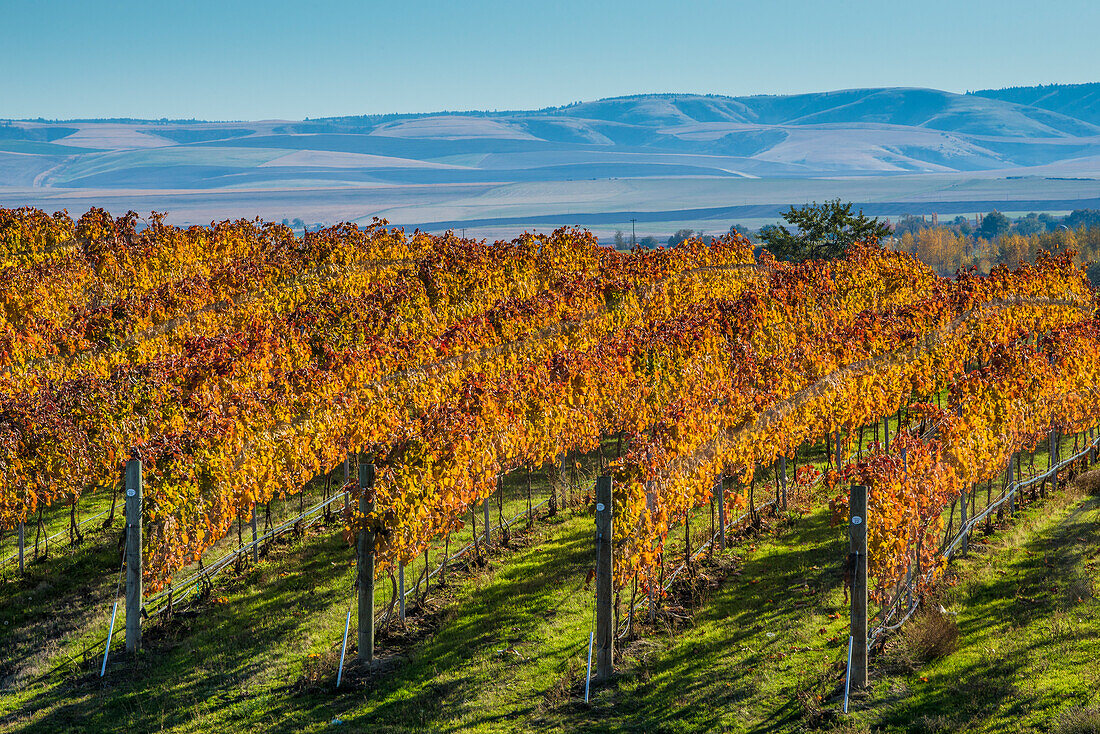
{"x":1090,"y":482}
{"x":929,"y":635}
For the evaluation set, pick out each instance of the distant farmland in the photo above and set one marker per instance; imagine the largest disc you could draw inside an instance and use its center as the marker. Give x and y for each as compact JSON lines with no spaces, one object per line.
{"x":665,"y":161}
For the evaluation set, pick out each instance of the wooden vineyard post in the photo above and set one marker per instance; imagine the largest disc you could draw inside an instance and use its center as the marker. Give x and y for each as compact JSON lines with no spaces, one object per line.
{"x":485,"y":507}
{"x":529,"y":518}
{"x":1011,"y":487}
{"x":1050,"y":449}
{"x":839,"y":452}
{"x":366,"y":565}
{"x":651,"y":507}
{"x":1054,"y":452}
{"x":552,"y":508}
{"x":720,"y":488}
{"x":886,"y":433}
{"x":133,"y":555}
{"x":605,"y":623}
{"x":710,"y":547}
{"x":650,"y":600}
{"x":962,"y":520}
{"x":783,"y":479}
{"x":687,"y":542}
{"x":564,"y":501}
{"x":255,"y":537}
{"x":857,"y":568}
{"x":22,"y":540}
{"x":347,"y":478}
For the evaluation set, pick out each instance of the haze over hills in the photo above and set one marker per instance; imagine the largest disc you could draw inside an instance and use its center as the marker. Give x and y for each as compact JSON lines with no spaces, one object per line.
{"x":666,"y":160}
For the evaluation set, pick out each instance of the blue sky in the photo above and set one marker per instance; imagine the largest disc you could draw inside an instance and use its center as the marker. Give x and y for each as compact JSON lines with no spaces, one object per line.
{"x":258,"y":59}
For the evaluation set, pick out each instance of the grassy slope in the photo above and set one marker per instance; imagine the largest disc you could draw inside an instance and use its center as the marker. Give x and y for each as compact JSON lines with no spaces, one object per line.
{"x":1029,"y":624}
{"x":509,"y":646}
{"x":266,"y":657}
{"x":504,"y":648}
{"x":55,"y":519}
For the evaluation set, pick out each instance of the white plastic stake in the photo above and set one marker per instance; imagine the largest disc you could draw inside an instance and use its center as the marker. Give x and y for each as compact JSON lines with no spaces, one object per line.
{"x":848,"y":673}
{"x":343,"y":649}
{"x":110,"y":632}
{"x":588,"y":677}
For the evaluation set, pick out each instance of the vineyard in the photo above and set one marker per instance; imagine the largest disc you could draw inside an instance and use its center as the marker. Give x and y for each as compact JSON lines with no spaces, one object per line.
{"x":437,"y":395}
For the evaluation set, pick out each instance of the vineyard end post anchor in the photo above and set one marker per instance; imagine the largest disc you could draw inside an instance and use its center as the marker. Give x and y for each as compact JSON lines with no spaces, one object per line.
{"x":605,"y":624}
{"x":133,"y":554}
{"x":857,"y":553}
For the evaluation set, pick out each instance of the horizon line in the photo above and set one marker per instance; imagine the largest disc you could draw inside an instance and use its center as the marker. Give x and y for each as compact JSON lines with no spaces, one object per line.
{"x":484,"y":112}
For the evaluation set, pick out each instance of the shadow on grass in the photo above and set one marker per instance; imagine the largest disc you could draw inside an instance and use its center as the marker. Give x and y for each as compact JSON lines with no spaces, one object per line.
{"x":726,"y":671}
{"x":1025,"y":620}
{"x":239,"y":664}
{"x":53,"y":600}
{"x":441,"y":688}
{"x":188,"y":666}
{"x":506,"y":655}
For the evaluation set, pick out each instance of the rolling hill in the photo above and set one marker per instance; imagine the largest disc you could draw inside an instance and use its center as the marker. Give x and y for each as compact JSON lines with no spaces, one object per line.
{"x":1081,"y":101}
{"x":411,"y":167}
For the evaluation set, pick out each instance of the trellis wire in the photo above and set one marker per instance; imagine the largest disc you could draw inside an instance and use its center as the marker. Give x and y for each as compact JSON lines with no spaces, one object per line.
{"x":8,"y":559}
{"x":889,"y":621}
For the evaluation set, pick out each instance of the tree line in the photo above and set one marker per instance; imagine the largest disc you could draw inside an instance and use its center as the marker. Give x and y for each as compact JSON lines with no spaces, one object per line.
{"x":825,"y":231}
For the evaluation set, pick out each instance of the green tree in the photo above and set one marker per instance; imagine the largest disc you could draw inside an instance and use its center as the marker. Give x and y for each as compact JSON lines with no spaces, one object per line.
{"x":994,"y":225}
{"x":1050,"y":222}
{"x":681,"y":235}
{"x":1086,"y":218}
{"x":962,"y":224}
{"x":1029,"y":225}
{"x":824,"y":232}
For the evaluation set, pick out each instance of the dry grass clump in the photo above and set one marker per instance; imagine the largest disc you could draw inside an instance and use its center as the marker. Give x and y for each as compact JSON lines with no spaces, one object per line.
{"x":929,"y":635}
{"x":1089,"y":482}
{"x":814,"y":686}
{"x":319,"y":669}
{"x":1079,"y":720}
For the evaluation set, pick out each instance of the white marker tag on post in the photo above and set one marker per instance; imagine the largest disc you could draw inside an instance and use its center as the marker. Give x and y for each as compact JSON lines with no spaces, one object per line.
{"x":599,"y":507}
{"x":856,"y":520}
{"x":130,"y":493}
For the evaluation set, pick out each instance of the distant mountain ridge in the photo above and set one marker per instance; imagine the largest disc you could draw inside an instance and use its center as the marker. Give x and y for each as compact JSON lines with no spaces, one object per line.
{"x":912,"y":107}
{"x":890,"y":105}
{"x":1070,"y":106}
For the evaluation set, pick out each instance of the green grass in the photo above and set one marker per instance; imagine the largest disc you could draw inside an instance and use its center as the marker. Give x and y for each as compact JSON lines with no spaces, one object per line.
{"x":755,"y":641}
{"x":267,"y":657}
{"x":506,"y":647}
{"x":55,"y":519}
{"x":277,"y":636}
{"x":1029,"y":624}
